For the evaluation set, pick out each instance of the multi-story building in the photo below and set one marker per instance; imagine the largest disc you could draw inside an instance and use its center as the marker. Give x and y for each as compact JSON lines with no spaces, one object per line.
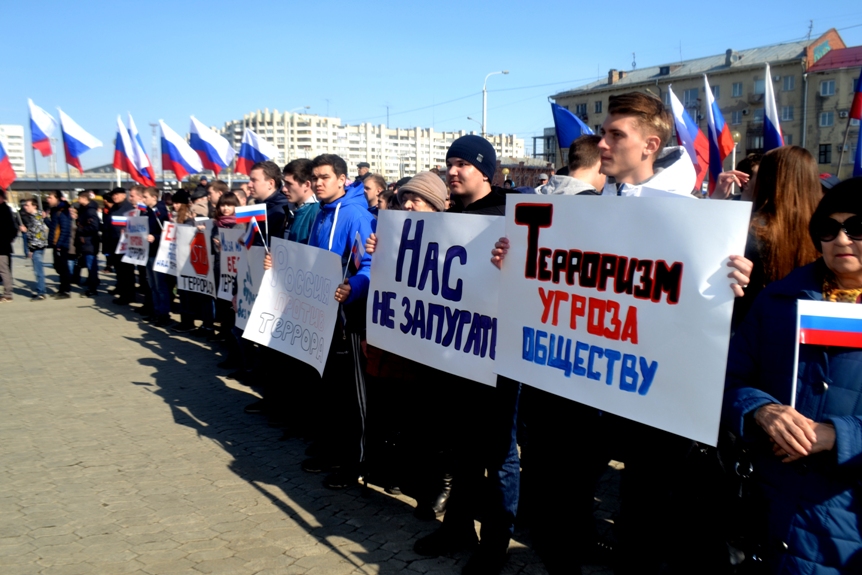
{"x":392,"y":152}
{"x":12,"y":138}
{"x":811,"y":83}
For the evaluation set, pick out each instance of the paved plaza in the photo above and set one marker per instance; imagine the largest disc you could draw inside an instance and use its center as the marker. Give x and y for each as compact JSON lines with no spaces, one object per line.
{"x":123,"y":449}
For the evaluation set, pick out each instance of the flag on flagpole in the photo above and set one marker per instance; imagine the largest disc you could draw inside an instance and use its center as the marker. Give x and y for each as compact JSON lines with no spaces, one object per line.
{"x":42,"y":126}
{"x":856,"y":106}
{"x":357,"y":251}
{"x":7,"y":173}
{"x":568,"y":126}
{"x":122,"y":147}
{"x":248,"y":240}
{"x":772,"y":137}
{"x":139,"y":156}
{"x":857,"y":164}
{"x":76,"y":141}
{"x":214,"y":150}
{"x":254,"y":149}
{"x":720,"y":140}
{"x":177,"y":155}
{"x":689,"y":136}
{"x":245,"y":214}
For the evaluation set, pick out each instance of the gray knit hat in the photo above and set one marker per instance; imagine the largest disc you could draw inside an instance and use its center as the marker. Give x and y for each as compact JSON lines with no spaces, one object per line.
{"x":429,"y":187}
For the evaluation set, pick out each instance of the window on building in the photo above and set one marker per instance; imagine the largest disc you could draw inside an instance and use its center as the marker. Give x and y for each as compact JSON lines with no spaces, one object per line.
{"x":737,"y":89}
{"x":758,"y":115}
{"x":754,"y":143}
{"x":788,"y":83}
{"x":736,"y":118}
{"x":580,"y":109}
{"x":827,"y":119}
{"x":597,"y":128}
{"x":825,"y":154}
{"x":759,"y":86}
{"x":854,"y":122}
{"x":786,"y":113}
{"x":690,"y":97}
{"x":788,"y":139}
{"x":667,"y":98}
{"x":827,"y":88}
{"x":598,"y":107}
{"x":716,"y":91}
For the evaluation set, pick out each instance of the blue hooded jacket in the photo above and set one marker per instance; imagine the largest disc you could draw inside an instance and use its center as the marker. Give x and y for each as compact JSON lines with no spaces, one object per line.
{"x":335,"y":228}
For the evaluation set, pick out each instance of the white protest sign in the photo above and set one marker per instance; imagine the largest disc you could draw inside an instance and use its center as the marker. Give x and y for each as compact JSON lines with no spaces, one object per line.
{"x":122,"y":243}
{"x":231,"y":248}
{"x":166,"y":256}
{"x":622,"y":304}
{"x":433,"y":293}
{"x":138,"y":248}
{"x":295,"y":309}
{"x":249,"y":275}
{"x":194,"y":259}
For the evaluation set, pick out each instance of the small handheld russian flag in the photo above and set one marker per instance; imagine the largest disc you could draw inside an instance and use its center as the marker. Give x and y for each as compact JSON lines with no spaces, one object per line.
{"x":825,"y":323}
{"x":119,"y":220}
{"x":245,"y":214}
{"x":248,"y":239}
{"x":142,"y":206}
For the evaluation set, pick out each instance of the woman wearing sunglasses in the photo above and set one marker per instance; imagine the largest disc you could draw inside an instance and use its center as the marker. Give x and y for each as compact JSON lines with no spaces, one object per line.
{"x":807,"y":460}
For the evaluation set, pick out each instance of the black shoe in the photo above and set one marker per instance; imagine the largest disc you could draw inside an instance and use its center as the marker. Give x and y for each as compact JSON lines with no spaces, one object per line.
{"x":162,"y":321}
{"x":183,"y":327}
{"x":442,"y":499}
{"x":201,"y":332}
{"x":340,"y":479}
{"x":62,"y":295}
{"x":227,"y":364}
{"x":39,"y":297}
{"x":393,"y":490}
{"x":486,"y":562}
{"x":144,"y":310}
{"x":259,"y":406}
{"x":120,"y":301}
{"x":216,"y":336}
{"x":317,"y":465}
{"x":445,"y":541}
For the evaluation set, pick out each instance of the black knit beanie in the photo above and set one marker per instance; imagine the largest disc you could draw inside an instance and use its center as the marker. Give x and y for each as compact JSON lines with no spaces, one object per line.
{"x":476,"y":150}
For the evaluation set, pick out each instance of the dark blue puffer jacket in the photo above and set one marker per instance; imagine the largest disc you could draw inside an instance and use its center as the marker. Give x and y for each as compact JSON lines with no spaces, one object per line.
{"x":60,"y":226}
{"x":814,"y":505}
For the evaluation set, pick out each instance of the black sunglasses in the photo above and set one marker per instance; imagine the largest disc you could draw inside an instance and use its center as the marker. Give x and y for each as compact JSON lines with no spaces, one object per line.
{"x":830,"y":228}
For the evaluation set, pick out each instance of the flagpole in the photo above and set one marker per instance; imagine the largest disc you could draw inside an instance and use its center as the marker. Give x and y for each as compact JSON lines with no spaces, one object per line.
{"x":36,"y":171}
{"x":843,"y":147}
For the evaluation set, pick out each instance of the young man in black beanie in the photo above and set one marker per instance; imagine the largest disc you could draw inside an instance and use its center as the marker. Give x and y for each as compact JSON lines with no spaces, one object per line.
{"x":483,"y":420}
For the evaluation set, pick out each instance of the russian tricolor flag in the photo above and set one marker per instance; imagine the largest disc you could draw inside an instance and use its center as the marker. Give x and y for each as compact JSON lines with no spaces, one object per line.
{"x":139,"y":156}
{"x":245,"y":214}
{"x":214,"y":150}
{"x":856,"y":106}
{"x":122,"y":151}
{"x":720,"y":140}
{"x":119,"y":220}
{"x":75,"y":140}
{"x":42,"y":126}
{"x":7,"y":173}
{"x":177,"y":155}
{"x":689,"y":136}
{"x":772,"y":137}
{"x":254,"y":149}
{"x":249,"y":234}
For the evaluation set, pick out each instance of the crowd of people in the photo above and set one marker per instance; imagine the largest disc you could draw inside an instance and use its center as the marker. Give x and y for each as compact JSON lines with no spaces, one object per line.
{"x":468,"y":451}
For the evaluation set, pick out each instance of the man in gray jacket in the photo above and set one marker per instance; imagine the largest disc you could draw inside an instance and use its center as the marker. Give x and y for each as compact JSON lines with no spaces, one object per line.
{"x":585,"y":163}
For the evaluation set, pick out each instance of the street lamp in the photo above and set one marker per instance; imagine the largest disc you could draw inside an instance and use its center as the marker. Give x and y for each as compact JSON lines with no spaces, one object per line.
{"x":290,"y":121}
{"x":485,"y":100}
{"x":478,"y":122}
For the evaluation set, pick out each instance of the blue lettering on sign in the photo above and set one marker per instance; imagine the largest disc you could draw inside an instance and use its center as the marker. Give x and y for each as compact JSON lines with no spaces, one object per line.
{"x":632,"y":373}
{"x":463,"y":330}
{"x":412,"y":247}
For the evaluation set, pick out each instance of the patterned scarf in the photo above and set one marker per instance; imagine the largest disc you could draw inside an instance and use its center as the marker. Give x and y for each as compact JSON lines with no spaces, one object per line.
{"x":831,"y":292}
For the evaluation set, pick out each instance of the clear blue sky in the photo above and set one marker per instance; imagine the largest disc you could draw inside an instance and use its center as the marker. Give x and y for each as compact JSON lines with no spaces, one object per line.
{"x":218,"y":60}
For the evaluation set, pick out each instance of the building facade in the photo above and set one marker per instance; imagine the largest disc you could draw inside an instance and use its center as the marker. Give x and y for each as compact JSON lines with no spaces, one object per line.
{"x":12,"y":138}
{"x":806,"y":95}
{"x":391,"y":152}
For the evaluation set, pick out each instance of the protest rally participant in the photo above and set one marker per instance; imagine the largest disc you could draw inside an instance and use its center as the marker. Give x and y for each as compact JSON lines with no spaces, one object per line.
{"x":8,"y":233}
{"x":297,"y":188}
{"x":87,"y":240}
{"x":387,"y":200}
{"x":786,"y":193}
{"x":200,"y":202}
{"x":482,"y":433}
{"x":36,"y":238}
{"x":157,"y":215}
{"x":125,"y":287}
{"x":214,"y":192}
{"x":341,"y":401}
{"x":806,"y":447}
{"x":59,"y":237}
{"x":185,"y":216}
{"x":585,"y":175}
{"x":225,"y":218}
{"x":374,"y":186}
{"x":136,"y":198}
